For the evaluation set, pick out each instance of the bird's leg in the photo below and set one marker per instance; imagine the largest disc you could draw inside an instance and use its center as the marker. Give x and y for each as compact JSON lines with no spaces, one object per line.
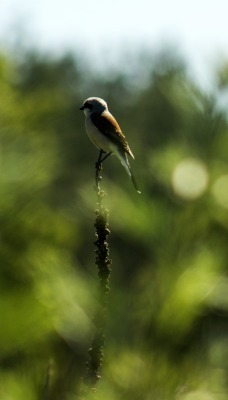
{"x":99,"y":161}
{"x":99,"y":167}
{"x":106,"y":156}
{"x":98,"y":171}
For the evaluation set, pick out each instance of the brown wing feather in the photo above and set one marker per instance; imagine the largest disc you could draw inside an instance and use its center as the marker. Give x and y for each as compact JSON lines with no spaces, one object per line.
{"x":107,"y":124}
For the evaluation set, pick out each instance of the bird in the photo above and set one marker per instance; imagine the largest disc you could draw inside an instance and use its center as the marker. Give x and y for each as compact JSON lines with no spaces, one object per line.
{"x":105,"y":133}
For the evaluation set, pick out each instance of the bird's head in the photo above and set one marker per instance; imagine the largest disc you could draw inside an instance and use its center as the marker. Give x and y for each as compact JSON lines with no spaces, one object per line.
{"x":94,"y":104}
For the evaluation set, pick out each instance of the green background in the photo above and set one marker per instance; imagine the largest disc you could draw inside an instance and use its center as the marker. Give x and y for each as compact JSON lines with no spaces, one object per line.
{"x":167,"y":320}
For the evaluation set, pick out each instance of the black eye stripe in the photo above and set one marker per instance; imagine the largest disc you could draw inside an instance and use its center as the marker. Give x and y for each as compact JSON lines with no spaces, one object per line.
{"x":88,"y":105}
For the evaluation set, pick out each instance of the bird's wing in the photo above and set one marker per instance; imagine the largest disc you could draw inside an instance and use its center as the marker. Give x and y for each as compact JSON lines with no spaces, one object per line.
{"x":107,"y":125}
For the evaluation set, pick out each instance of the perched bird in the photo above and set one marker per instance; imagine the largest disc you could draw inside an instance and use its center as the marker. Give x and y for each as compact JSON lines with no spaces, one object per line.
{"x":104,"y":131}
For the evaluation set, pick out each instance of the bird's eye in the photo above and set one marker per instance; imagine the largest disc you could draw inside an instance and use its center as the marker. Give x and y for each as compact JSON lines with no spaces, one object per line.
{"x":88,"y":105}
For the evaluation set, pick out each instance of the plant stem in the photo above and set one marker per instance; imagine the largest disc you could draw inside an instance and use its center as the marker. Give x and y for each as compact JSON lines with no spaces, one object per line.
{"x":103,"y":263}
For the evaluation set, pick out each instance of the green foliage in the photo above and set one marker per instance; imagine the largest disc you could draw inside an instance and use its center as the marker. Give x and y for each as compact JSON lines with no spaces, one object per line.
{"x":166,"y":333}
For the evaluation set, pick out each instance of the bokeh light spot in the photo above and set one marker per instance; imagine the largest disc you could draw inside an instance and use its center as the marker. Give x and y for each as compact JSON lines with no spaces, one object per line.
{"x":190,"y":178}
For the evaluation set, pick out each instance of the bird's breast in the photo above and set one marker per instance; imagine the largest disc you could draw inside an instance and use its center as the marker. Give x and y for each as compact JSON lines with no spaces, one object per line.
{"x":98,"y":138}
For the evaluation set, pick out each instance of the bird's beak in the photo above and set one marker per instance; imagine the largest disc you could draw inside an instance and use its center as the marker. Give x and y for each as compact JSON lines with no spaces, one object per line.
{"x":82,"y":108}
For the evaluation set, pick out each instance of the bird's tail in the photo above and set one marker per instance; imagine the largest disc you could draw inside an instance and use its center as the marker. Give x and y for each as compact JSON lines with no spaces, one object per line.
{"x":125,"y":163}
